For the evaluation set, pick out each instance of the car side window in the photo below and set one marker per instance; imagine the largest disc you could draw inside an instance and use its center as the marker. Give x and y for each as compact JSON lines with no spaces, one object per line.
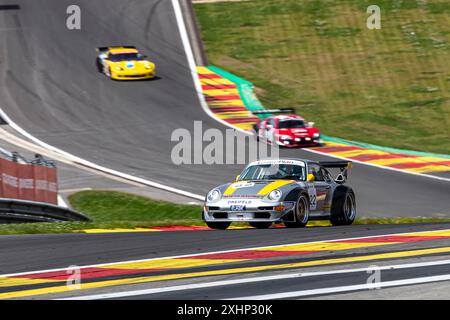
{"x":326,"y":175}
{"x":317,"y":172}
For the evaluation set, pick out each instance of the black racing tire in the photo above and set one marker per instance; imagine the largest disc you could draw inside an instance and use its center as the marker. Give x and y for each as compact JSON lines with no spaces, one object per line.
{"x":343,"y":207}
{"x":218,"y":225}
{"x":99,"y":65}
{"x":260,"y":225}
{"x":301,"y":213}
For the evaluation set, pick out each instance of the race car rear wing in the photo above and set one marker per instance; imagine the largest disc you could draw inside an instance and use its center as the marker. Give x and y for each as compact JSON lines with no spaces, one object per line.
{"x":102,"y":49}
{"x":342,"y":165}
{"x":282,"y":110}
{"x":336,"y":164}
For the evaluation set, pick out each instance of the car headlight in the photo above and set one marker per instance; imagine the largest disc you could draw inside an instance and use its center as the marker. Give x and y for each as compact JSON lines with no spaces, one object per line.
{"x":118,"y":68}
{"x":213,"y":195}
{"x":316,"y":135}
{"x":274,"y":195}
{"x":283,"y":137}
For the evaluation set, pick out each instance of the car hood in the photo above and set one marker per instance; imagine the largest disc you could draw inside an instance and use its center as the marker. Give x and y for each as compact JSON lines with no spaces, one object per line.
{"x":246,"y":189}
{"x":133,"y":65}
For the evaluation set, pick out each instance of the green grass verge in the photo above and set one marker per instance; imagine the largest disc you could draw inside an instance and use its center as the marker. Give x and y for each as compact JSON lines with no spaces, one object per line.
{"x":110,"y":209}
{"x":386,"y":87}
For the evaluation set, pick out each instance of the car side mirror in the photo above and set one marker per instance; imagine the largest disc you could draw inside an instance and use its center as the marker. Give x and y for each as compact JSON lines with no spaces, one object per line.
{"x":311,"y":177}
{"x":237,"y":177}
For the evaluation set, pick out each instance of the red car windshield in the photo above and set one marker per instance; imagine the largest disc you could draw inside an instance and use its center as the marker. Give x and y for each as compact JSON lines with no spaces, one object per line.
{"x":293,"y":123}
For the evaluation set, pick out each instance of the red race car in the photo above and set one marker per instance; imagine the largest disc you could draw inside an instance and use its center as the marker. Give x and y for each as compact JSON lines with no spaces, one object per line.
{"x":290,"y":131}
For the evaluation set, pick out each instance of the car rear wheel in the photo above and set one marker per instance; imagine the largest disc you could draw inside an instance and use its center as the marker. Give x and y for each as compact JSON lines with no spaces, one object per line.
{"x":301,"y":213}
{"x":218,"y":225}
{"x":260,"y":225}
{"x":343,"y":207}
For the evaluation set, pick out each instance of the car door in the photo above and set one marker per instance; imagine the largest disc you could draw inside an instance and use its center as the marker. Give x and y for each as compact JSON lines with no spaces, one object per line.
{"x":319,"y":189}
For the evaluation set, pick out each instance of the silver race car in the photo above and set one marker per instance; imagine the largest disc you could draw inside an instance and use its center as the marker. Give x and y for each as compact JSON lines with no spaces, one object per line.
{"x":292,"y":191}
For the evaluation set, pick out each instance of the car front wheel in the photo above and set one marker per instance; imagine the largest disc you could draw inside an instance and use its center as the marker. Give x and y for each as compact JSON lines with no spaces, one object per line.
{"x":260,"y":225}
{"x":218,"y":225}
{"x":301,"y":213}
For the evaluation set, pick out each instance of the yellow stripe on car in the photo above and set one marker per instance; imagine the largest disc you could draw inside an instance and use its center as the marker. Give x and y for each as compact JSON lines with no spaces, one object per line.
{"x":274,"y":185}
{"x":230,"y":190}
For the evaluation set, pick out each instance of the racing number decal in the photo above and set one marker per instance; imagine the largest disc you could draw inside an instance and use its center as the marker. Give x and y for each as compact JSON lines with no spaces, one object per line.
{"x":312,"y":197}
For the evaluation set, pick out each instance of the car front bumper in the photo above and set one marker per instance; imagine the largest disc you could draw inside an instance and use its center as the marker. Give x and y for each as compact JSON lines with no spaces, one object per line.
{"x":252,"y":210}
{"x":300,"y":142}
{"x":132,"y":76}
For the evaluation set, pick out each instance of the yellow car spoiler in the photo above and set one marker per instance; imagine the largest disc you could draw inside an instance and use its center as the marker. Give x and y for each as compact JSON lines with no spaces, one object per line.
{"x":103,"y":49}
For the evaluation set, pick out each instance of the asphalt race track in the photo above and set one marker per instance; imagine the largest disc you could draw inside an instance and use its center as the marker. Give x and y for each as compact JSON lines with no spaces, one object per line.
{"x":37,"y":252}
{"x":50,"y":87}
{"x":163,"y":261}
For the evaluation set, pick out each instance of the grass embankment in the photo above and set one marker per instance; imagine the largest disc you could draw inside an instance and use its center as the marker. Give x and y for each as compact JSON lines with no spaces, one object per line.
{"x":387,"y":87}
{"x":110,"y":209}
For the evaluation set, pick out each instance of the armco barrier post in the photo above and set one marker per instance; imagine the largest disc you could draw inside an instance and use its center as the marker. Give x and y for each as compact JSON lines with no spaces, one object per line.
{"x":9,"y":179}
{"x":25,"y":174}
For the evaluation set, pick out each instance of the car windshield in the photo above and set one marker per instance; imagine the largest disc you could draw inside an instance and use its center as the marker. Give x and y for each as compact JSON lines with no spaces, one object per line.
{"x":287,"y":124}
{"x":124,"y":57}
{"x":274,"y":172}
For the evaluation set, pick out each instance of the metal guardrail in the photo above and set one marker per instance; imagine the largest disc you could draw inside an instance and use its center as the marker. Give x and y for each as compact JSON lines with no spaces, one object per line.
{"x":15,"y":211}
{"x":17,"y":157}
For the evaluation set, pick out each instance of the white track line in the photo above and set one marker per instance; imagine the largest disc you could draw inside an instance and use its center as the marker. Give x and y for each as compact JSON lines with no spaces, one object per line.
{"x":193,"y":67}
{"x":216,"y":252}
{"x":378,"y":166}
{"x":198,"y":86}
{"x":92,"y":165}
{"x":61,"y":202}
{"x":78,"y":160}
{"x":191,"y":62}
{"x":304,"y":293}
{"x":250,"y":280}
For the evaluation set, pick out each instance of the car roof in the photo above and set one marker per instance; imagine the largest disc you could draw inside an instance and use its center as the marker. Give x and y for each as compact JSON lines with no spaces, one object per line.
{"x":288,"y":117}
{"x":284,"y":159}
{"x":117,"y":50}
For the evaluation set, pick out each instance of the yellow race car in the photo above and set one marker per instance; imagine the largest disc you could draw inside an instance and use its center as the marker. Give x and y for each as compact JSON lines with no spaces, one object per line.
{"x":124,"y":63}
